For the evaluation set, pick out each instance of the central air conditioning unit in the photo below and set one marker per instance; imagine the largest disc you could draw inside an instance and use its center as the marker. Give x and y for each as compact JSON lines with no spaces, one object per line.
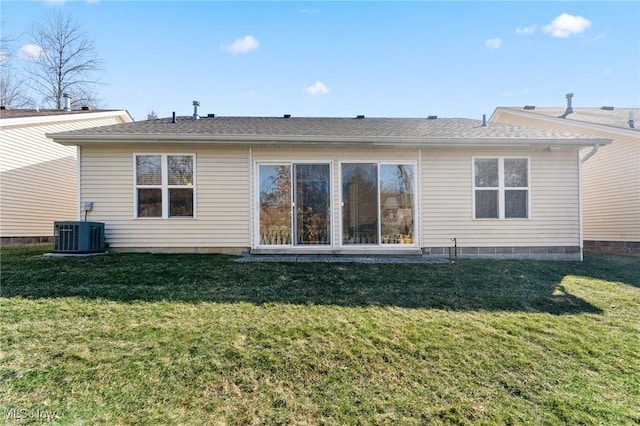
{"x":78,"y":237}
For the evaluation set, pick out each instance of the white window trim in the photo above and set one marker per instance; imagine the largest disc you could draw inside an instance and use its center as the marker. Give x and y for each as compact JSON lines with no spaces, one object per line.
{"x":164,"y":186}
{"x":501,"y":188}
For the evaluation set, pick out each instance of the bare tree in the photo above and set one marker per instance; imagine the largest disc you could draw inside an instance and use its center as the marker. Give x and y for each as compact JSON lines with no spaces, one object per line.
{"x":68,"y":62}
{"x":12,"y":88}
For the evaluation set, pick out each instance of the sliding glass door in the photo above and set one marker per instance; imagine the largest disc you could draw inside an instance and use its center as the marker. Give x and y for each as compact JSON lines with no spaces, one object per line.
{"x":275,"y":204}
{"x":377,"y":203}
{"x":396,"y":204}
{"x":295,"y":207}
{"x":359,"y":203}
{"x":295,"y":204}
{"x":312,"y":204}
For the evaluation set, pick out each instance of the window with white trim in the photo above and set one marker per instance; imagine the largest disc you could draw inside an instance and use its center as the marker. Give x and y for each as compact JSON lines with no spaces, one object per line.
{"x":501,"y":188}
{"x":164,"y":185}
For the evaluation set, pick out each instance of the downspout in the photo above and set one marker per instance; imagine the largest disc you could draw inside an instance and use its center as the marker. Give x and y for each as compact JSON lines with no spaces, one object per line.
{"x":580,"y":199}
{"x":79,"y":182}
{"x":580,"y":210}
{"x":417,"y":200}
{"x":591,"y":153}
{"x":253,"y":227}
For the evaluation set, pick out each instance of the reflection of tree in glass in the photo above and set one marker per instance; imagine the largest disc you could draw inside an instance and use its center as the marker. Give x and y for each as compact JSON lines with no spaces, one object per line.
{"x":515,"y":172}
{"x":486,"y":173}
{"x":275,"y":204}
{"x":360,"y":195}
{"x":276,"y":189}
{"x":149,"y":170}
{"x":312,"y":203}
{"x":180,"y":169}
{"x":396,"y":203}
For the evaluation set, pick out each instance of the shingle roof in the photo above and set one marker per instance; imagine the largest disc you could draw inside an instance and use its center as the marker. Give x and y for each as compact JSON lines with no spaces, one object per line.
{"x":310,"y":127}
{"x":611,"y":117}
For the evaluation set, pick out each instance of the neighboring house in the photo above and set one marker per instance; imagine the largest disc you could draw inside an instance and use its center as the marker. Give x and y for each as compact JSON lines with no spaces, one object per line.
{"x":611,"y":178}
{"x":38,"y":178}
{"x":334,"y":185}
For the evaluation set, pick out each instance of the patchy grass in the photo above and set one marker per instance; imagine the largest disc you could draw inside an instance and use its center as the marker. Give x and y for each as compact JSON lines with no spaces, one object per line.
{"x":195,"y":339}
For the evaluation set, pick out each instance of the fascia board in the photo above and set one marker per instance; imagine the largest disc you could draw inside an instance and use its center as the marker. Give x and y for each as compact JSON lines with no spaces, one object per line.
{"x":241,"y":140}
{"x":62,"y":117}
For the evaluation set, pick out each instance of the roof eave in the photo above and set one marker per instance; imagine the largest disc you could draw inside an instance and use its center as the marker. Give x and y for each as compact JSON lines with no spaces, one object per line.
{"x":62,"y":117}
{"x":382,"y":141}
{"x":567,"y":121}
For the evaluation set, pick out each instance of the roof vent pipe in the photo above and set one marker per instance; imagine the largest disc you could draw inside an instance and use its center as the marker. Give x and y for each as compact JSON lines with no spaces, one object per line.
{"x":66,"y":98}
{"x":632,"y":123}
{"x":195,"y":116}
{"x":173,"y":120}
{"x":484,"y":120}
{"x":569,"y":110}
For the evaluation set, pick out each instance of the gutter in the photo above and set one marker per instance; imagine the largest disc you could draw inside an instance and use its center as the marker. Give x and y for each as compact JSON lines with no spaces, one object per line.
{"x":591,"y":153}
{"x":293,"y":140}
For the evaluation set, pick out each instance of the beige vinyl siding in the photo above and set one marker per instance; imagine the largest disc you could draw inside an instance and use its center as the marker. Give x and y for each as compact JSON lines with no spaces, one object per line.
{"x":447,"y":201}
{"x":611,"y":180}
{"x":221,"y":198}
{"x":611,"y":189}
{"x":38,"y":176}
{"x":225,"y":195}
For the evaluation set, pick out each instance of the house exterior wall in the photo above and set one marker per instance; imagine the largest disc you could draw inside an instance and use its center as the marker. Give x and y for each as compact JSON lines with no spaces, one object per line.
{"x":222,"y":218}
{"x":611,"y":185}
{"x":226,"y":199}
{"x":38,"y":176}
{"x":447,"y":210}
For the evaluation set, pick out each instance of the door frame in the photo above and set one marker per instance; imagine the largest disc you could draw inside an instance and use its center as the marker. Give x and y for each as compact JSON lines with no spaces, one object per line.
{"x":256,"y":206}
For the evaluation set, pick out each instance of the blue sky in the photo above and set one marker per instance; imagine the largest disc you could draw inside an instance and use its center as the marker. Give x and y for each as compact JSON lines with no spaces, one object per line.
{"x":380,"y":59}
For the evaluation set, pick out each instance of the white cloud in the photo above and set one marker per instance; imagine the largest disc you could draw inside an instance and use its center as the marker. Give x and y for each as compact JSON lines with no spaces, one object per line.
{"x":565,"y":25}
{"x":243,"y":45}
{"x":317,"y":89}
{"x":493,"y":43}
{"x":526,"y":30}
{"x":31,"y":52}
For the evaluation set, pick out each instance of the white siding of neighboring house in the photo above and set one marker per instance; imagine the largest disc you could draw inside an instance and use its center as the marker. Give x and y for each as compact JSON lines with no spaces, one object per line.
{"x":611,"y":186}
{"x":38,"y":177}
{"x":611,"y":181}
{"x":225,"y":196}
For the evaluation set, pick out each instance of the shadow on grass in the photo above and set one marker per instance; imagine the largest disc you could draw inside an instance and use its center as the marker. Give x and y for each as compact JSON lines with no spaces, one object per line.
{"x":525,"y":286}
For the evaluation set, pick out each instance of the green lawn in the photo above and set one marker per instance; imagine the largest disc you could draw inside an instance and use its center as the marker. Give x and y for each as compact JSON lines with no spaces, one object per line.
{"x":200,"y":339}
